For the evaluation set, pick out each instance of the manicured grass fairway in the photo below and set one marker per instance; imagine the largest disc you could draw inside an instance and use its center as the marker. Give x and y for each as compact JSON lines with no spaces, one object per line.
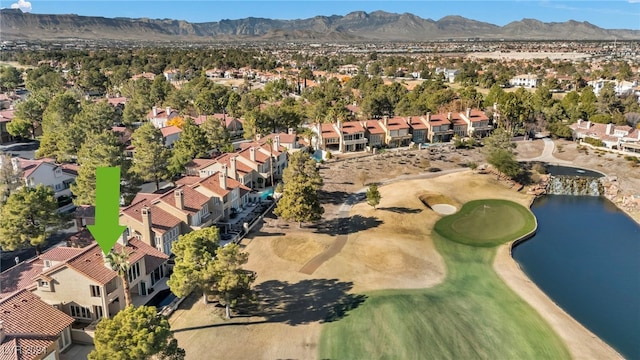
{"x":472,"y":315}
{"x":486,"y":223}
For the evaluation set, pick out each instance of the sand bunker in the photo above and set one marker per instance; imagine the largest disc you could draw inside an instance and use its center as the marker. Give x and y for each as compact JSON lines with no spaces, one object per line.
{"x":444,"y":209}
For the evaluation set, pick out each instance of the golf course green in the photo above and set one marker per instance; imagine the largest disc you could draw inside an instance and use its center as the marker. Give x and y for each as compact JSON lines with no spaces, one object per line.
{"x":471,"y":315}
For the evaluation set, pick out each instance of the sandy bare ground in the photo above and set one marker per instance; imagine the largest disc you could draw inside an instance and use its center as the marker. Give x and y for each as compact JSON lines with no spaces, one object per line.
{"x":389,"y":247}
{"x":528,"y":55}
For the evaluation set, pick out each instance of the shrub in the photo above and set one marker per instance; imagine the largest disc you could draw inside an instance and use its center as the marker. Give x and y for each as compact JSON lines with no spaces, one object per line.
{"x":593,"y":141}
{"x":328,"y":155}
{"x":539,"y":168}
{"x":472,"y":165}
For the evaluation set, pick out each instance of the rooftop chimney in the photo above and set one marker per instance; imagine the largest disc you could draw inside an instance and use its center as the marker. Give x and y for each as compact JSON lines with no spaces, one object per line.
{"x":428,"y":116}
{"x":252,"y":153}
{"x":468,"y":113}
{"x":223,"y":180}
{"x":232,"y":167}
{"x":147,"y":232}
{"x":409,"y":120}
{"x":168,"y":110}
{"x":385,"y":121}
{"x":449,"y":115}
{"x":224,"y":170}
{"x":495,"y":106}
{"x":155,"y":111}
{"x":179,"y":195}
{"x":276,"y":143}
{"x":1,"y":331}
{"x":609,"y":129}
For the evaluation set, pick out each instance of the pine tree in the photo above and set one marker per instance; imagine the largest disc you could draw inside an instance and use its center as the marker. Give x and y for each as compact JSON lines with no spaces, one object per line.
{"x":217,"y":134}
{"x":373,"y":195}
{"x":194,"y":262}
{"x":231,"y":281}
{"x":299,"y":201}
{"x":99,"y":150}
{"x":151,"y":157}
{"x":192,"y":144}
{"x":28,"y":217}
{"x":135,"y":333}
{"x":10,"y":177}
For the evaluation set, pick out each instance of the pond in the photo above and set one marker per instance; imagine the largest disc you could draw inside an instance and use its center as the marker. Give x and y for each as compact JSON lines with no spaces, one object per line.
{"x":584,"y":256}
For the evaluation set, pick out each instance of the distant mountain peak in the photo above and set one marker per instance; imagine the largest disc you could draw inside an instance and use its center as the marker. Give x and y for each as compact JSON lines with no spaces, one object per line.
{"x":354,"y":26}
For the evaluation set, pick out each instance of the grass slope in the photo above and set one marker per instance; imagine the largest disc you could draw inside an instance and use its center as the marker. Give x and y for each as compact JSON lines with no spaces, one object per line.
{"x":473,"y":314}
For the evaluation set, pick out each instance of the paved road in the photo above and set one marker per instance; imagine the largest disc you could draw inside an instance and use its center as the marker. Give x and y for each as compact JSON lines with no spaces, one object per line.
{"x":547,"y":154}
{"x":25,"y":150}
{"x":344,"y":219}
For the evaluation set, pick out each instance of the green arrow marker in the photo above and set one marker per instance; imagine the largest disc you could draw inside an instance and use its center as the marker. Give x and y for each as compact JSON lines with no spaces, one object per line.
{"x":107,"y":230}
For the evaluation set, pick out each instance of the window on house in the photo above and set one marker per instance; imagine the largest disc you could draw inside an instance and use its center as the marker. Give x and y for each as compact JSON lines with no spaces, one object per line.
{"x":80,"y":312}
{"x":43,"y":283}
{"x":134,"y":272}
{"x":95,"y":290}
{"x":58,"y":187}
{"x":98,"y":311}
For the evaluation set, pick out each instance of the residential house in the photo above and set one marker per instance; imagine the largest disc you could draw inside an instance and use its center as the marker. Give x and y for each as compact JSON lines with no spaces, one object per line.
{"x":418,"y":129}
{"x":525,"y":80}
{"x":352,"y":136}
{"x":458,"y":125}
{"x":620,"y":87}
{"x":374,"y":133}
{"x":439,"y":128}
{"x":396,"y":131}
{"x":614,"y":137}
{"x":228,"y":194}
{"x":160,"y":117}
{"x":31,"y":329}
{"x":171,"y":75}
{"x":448,"y":74}
{"x":236,"y":170}
{"x":256,"y":155}
{"x":5,"y":118}
{"x":81,"y":283}
{"x":328,"y":137}
{"x":478,"y":124}
{"x":158,"y":219}
{"x":289,"y":140}
{"x":170,"y":134}
{"x":46,"y":172}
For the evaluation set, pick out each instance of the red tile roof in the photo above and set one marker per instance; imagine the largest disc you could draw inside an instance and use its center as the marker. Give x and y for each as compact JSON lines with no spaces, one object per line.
{"x":456,"y":119}
{"x":226,"y":160}
{"x":261,"y":158}
{"x":170,"y":130}
{"x":21,"y":276}
{"x":373,"y":127}
{"x":213,"y":184}
{"x":30,"y":323}
{"x":397,"y":123}
{"x":117,"y":100}
{"x":439,"y":119}
{"x":193,"y":200}
{"x":328,"y":131}
{"x":6,"y":115}
{"x":416,"y":123}
{"x":61,"y":253}
{"x":352,"y":127}
{"x":161,"y":221}
{"x":478,"y":115}
{"x":198,"y":164}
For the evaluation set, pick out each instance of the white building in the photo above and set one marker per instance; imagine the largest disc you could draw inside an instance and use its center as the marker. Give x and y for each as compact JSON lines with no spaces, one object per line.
{"x":526,"y":80}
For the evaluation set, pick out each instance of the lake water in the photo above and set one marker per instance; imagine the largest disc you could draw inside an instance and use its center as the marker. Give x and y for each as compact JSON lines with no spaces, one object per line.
{"x":586,"y":257}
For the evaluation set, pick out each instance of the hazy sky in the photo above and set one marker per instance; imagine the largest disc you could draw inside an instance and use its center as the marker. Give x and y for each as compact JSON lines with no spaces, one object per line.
{"x":612,"y":14}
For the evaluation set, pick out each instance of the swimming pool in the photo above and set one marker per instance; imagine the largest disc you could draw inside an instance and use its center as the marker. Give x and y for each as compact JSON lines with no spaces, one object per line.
{"x":266,"y":193}
{"x":162,"y":299}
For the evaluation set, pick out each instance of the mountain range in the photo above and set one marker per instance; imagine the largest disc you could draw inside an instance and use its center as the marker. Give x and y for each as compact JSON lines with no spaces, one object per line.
{"x":353,"y":27}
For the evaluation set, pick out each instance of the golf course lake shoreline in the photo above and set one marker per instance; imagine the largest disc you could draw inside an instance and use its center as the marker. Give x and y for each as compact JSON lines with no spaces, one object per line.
{"x":584,"y":257}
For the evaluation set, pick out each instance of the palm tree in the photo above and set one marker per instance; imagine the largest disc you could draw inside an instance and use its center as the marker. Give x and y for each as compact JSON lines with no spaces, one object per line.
{"x":119,"y":262}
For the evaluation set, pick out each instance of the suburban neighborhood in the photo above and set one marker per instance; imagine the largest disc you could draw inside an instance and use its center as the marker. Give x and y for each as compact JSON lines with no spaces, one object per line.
{"x":282,"y":189}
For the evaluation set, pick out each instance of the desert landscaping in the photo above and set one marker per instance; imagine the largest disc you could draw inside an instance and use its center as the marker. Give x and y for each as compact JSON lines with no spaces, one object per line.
{"x":391,"y":247}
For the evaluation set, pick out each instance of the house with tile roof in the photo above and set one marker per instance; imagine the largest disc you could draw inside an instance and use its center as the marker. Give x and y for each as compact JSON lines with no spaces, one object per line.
{"x":31,"y":329}
{"x":170,"y":134}
{"x":228,"y":194}
{"x":396,"y":131}
{"x":439,"y":127}
{"x":235,"y":169}
{"x":5,"y":118}
{"x":160,"y":117}
{"x":78,"y":282}
{"x":478,"y":123}
{"x":613,"y":136}
{"x":418,"y":129}
{"x":58,"y":177}
{"x":263,"y":158}
{"x":374,"y":133}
